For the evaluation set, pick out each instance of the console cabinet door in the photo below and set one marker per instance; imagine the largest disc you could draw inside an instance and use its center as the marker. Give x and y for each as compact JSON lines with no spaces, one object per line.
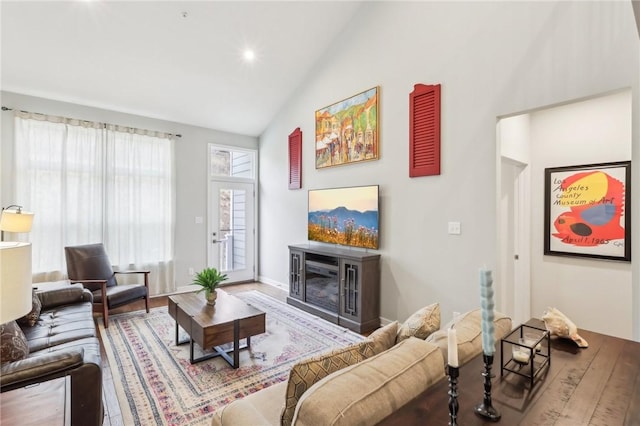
{"x":350,"y":289}
{"x":296,"y":274}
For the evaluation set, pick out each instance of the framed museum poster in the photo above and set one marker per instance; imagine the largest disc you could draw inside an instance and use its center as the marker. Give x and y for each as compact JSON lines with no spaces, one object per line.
{"x":587,"y":211}
{"x":347,"y":131}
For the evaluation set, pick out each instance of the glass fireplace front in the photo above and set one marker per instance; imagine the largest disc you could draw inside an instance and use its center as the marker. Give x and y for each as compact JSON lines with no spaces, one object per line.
{"x":321,"y":278}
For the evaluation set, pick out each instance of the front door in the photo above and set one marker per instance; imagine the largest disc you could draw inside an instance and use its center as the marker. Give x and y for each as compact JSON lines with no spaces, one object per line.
{"x":231,"y":229}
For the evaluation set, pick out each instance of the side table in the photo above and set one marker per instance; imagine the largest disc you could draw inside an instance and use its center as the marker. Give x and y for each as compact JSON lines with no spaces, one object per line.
{"x":39,"y":404}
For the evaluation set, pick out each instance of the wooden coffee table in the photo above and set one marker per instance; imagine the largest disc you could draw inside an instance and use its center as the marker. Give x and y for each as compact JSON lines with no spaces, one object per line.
{"x":228,"y":321}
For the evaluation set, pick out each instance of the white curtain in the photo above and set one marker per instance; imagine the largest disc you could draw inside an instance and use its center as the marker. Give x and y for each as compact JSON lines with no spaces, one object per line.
{"x":139,"y":203}
{"x":90,"y":182}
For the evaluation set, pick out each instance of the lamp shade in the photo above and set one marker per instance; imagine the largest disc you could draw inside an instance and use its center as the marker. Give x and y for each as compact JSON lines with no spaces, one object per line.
{"x":16,"y":221}
{"x":15,"y":280}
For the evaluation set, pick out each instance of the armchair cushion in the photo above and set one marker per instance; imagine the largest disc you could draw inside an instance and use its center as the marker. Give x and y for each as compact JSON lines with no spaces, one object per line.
{"x":13,"y":343}
{"x":121,"y":294}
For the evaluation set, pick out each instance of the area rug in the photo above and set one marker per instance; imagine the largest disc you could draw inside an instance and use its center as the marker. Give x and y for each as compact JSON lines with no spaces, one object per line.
{"x":156,"y":384}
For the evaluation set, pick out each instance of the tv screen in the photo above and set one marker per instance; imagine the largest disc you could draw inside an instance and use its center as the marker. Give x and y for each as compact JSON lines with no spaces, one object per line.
{"x":346,"y":216}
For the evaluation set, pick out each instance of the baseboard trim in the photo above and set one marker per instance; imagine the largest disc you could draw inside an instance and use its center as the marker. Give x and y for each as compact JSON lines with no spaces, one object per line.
{"x":274,"y":283}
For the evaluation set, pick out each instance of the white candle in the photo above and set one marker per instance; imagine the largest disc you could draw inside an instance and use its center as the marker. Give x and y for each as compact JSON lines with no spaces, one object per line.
{"x":521,"y":356}
{"x":453,"y":347}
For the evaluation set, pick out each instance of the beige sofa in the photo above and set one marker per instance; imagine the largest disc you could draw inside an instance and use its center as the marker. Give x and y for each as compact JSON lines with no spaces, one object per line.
{"x":370,"y":389}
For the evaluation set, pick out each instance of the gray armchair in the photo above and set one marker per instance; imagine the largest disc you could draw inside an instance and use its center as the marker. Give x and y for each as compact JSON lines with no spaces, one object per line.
{"x":89,"y":264}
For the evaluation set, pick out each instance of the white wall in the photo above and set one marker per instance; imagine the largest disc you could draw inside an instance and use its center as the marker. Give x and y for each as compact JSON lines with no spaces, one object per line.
{"x":191,"y":163}
{"x":514,"y":135}
{"x":595,"y":294}
{"x":493,"y":59}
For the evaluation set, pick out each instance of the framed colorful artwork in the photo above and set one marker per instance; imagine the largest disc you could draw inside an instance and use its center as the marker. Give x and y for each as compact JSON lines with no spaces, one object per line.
{"x":587,"y":211}
{"x":347,"y":131}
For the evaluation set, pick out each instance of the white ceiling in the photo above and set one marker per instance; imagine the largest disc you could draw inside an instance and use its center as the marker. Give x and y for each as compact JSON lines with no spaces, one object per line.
{"x":145,"y":58}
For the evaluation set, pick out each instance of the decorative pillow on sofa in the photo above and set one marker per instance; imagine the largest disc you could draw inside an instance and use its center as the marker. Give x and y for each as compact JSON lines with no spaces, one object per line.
{"x":469,"y":333}
{"x":384,"y":337}
{"x":13,"y":343}
{"x":421,"y":323}
{"x":305,"y":373}
{"x":32,"y":317}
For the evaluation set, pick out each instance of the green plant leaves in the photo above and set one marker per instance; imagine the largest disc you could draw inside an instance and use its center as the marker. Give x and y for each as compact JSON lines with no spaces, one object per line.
{"x":209,"y":278}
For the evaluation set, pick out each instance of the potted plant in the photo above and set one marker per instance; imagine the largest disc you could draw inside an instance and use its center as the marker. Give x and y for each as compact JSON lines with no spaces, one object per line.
{"x":208,"y":279}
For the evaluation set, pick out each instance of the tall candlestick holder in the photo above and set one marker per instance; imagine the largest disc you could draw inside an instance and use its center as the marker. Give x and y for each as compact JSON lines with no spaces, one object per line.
{"x":485,"y":409}
{"x":453,"y":395}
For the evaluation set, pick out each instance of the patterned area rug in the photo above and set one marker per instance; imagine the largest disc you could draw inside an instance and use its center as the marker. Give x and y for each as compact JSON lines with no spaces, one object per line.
{"x":156,"y":384}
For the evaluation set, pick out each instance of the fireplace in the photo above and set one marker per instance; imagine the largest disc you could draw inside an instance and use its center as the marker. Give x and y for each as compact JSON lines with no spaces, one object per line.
{"x":321,"y":282}
{"x":341,"y":286}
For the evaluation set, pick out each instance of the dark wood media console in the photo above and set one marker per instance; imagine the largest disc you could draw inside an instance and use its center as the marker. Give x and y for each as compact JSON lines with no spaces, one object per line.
{"x":339,"y":285}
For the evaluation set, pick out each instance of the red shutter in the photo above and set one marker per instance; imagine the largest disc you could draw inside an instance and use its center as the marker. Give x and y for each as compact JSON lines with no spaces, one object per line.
{"x":424,"y":130}
{"x":295,"y":159}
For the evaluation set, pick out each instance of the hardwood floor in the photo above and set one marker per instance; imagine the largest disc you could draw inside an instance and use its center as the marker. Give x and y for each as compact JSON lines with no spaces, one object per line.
{"x":112,"y":413}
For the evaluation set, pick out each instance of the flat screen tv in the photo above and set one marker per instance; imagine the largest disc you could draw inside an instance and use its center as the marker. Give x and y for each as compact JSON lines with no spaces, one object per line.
{"x":345,"y":216}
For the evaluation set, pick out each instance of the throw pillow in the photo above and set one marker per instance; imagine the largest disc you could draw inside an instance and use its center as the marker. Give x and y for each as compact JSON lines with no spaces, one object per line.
{"x":32,"y":317}
{"x":13,"y":343}
{"x":305,"y":373}
{"x":384,"y":337}
{"x":421,"y":324}
{"x":469,"y":333}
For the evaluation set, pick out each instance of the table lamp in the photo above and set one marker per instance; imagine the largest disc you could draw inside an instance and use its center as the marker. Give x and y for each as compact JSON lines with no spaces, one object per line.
{"x":15,"y":280}
{"x":15,"y":220}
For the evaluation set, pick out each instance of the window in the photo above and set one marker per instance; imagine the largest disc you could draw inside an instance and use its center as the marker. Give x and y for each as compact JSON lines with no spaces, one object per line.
{"x":231,"y":163}
{"x":91,"y":182}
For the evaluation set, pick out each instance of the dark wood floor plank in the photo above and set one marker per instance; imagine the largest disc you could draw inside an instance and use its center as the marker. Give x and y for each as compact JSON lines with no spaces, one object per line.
{"x":548,"y":408}
{"x":600,"y":384}
{"x":588,"y":392}
{"x":632,"y":417}
{"x":621,"y":389}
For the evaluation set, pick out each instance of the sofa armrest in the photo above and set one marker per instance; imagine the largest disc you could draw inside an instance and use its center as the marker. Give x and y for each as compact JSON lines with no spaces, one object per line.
{"x":64,"y":296}
{"x":39,"y":368}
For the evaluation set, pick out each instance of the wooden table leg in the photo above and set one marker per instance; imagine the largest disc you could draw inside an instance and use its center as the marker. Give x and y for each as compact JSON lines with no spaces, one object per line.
{"x":236,"y":343}
{"x":225,"y":354}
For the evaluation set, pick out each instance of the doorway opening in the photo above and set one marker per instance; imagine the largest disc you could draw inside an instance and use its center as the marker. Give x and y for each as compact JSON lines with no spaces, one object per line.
{"x":594,"y":130}
{"x":232,"y":221}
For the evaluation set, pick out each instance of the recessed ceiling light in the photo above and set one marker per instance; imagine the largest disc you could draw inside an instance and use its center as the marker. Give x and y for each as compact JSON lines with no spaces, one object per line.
{"x":249,"y":55}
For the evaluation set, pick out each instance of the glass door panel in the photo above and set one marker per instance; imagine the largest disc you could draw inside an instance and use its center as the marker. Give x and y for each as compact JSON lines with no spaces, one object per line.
{"x":231,"y":248}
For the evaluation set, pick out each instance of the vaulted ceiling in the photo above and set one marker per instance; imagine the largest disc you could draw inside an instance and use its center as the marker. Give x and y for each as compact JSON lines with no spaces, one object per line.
{"x":171,"y":60}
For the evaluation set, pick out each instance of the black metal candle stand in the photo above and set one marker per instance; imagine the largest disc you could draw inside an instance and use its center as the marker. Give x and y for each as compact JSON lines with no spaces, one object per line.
{"x":485,"y":409}
{"x":537,"y":352}
{"x":453,"y":395}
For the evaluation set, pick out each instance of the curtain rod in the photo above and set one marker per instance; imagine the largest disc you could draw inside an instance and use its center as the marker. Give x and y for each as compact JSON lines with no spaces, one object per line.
{"x":4,"y":108}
